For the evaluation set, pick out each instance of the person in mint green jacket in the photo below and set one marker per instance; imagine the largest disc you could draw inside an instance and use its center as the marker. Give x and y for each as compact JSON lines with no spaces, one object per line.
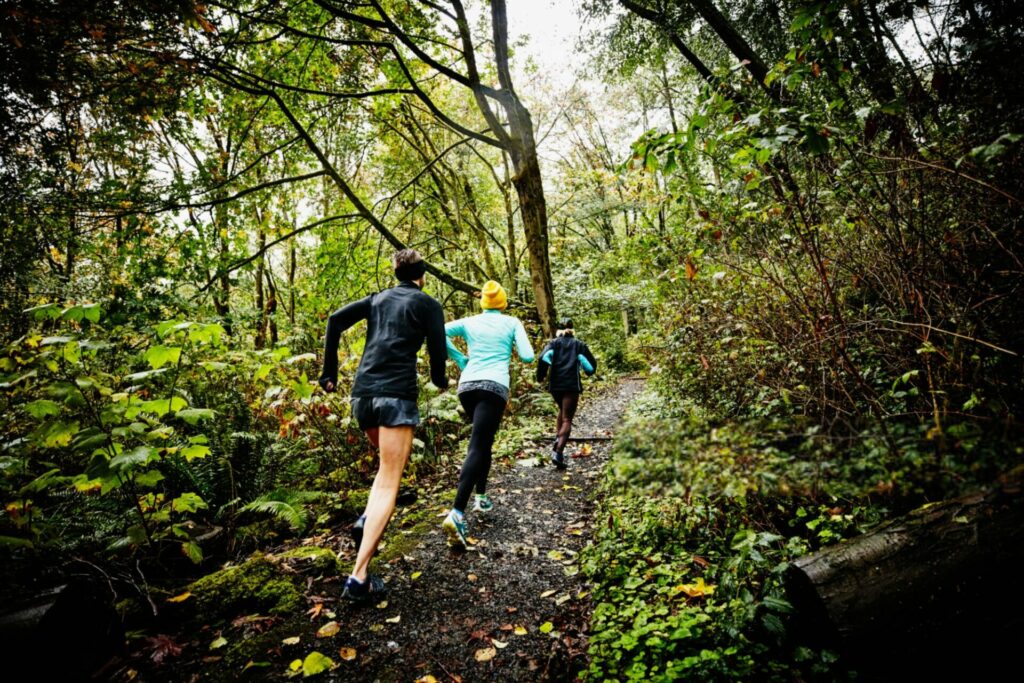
{"x":483,"y":392}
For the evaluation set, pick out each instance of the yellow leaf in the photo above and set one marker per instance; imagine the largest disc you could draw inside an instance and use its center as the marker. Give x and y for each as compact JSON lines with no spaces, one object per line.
{"x":329,"y":629}
{"x":426,"y":679}
{"x":696,"y":589}
{"x":347,"y":653}
{"x":180,"y":598}
{"x":549,"y":593}
{"x":471,"y":577}
{"x":296,"y":665}
{"x":498,"y":644}
{"x":520,"y":631}
{"x":294,"y":640}
{"x":546,"y":627}
{"x":485,"y":654}
{"x":471,"y":540}
{"x":416,"y":575}
{"x":395,"y":619}
{"x":383,"y":604}
{"x":219,"y":643}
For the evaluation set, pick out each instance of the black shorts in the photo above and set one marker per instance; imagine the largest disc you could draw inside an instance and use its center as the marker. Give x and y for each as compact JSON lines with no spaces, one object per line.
{"x":384,"y":411}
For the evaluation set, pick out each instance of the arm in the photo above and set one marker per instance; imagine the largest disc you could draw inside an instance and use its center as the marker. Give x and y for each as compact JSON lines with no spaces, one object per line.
{"x":545,"y":361}
{"x":585,"y":364}
{"x":523,"y":345}
{"x":585,"y":352}
{"x":436,"y":346}
{"x":339,"y":321}
{"x":455,"y":328}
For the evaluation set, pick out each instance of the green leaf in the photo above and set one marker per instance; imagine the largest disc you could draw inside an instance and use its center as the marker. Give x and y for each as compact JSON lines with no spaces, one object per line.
{"x":206,"y":334}
{"x":42,"y":408}
{"x":56,"y":434}
{"x":194,"y":415}
{"x":148,"y":479}
{"x":188,"y":502}
{"x":159,"y":356}
{"x":71,"y":352}
{"x":262,"y":372}
{"x":14,"y":542}
{"x":44,"y":312}
{"x":162,"y":406}
{"x":139,"y":456}
{"x":195,"y":451}
{"x":145,"y":374}
{"x":315,"y":663}
{"x":92,"y":312}
{"x":302,"y":388}
{"x":193,"y":552}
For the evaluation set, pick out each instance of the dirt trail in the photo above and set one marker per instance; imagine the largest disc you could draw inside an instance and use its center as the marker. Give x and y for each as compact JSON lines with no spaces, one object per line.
{"x":466,"y":606}
{"x":513,"y":608}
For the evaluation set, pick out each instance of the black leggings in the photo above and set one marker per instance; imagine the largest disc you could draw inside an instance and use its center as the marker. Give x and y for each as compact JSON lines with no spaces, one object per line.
{"x":484,"y":409}
{"x":567,"y":402}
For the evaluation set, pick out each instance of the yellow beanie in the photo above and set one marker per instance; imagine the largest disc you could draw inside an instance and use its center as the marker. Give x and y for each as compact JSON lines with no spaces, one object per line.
{"x":493,"y":296}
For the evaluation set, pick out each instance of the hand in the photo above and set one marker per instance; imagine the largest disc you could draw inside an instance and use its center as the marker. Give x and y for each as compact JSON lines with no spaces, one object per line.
{"x":328,"y":385}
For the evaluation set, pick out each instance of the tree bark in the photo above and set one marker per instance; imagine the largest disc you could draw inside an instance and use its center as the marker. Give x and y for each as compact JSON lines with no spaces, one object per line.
{"x":898,"y":600}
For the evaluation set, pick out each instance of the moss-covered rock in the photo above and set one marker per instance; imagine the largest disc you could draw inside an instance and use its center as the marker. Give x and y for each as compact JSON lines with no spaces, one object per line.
{"x":312,"y":557}
{"x":256,"y":585}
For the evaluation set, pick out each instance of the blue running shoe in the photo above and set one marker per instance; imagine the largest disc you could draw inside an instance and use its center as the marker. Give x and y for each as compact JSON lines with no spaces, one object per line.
{"x":483,"y":503}
{"x":455,"y":526}
{"x":362,"y":592}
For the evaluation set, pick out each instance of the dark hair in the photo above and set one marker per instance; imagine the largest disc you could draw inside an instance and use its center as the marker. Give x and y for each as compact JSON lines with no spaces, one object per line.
{"x":565,"y":324}
{"x":409,"y":265}
{"x":405,"y":257}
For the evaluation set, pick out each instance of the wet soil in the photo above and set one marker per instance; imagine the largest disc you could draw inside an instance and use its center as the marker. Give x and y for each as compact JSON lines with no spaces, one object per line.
{"x":514,"y":607}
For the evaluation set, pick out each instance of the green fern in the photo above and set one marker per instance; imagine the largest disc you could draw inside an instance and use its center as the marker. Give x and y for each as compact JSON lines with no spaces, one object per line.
{"x":286,"y":505}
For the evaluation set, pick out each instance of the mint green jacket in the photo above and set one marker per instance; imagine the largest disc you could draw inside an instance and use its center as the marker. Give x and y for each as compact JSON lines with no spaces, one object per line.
{"x":489,"y":338}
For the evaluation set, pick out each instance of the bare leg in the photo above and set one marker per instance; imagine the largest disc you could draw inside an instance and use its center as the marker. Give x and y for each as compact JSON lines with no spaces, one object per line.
{"x":395,"y":445}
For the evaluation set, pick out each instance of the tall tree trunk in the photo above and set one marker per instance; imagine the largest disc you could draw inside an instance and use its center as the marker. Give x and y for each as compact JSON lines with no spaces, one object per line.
{"x":291,"y":282}
{"x":526,"y":177}
{"x":260,"y":340}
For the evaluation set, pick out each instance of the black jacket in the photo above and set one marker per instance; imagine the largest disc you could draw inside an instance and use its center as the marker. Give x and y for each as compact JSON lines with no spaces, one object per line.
{"x":398,"y":321}
{"x":565,"y":365}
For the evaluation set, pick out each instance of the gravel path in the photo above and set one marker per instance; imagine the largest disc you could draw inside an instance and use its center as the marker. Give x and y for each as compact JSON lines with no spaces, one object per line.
{"x":515,"y":607}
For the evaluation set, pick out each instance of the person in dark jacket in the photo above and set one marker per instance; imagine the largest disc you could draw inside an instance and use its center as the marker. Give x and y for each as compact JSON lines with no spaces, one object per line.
{"x":384,"y":393}
{"x":562,"y":359}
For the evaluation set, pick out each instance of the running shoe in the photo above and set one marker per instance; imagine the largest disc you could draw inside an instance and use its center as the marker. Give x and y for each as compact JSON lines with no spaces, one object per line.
{"x":558,"y":459}
{"x":362,"y":592}
{"x":455,"y":526}
{"x":483,"y":503}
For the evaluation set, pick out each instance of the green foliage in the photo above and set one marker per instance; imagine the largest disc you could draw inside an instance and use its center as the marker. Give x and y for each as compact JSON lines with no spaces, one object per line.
{"x":287,"y":506}
{"x":687,"y":568}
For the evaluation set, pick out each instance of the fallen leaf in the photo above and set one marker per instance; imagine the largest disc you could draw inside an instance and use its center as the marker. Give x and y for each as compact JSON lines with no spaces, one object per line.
{"x":547,"y":594}
{"x":562,"y":599}
{"x":471,"y":577}
{"x":511,"y":610}
{"x":426,"y":679}
{"x":395,"y":619}
{"x":162,"y":647}
{"x":471,"y":540}
{"x":498,"y":644}
{"x":383,"y":604}
{"x":520,"y":631}
{"x":329,"y":629}
{"x":376,"y":628}
{"x":315,"y":663}
{"x":315,"y":610}
{"x":485,"y":654}
{"x":555,"y":555}
{"x":416,"y":575}
{"x":696,"y":589}
{"x":347,"y":653}
{"x":546,"y":627}
{"x":219,"y":643}
{"x":181,"y":598}
{"x":295,"y":665}
{"x":294,"y":640}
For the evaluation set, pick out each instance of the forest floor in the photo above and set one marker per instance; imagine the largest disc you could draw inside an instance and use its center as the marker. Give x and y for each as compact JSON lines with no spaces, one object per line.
{"x":514,"y":607}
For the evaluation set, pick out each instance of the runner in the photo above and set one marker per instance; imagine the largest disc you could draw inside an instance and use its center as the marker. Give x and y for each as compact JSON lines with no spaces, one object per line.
{"x":384,"y":393}
{"x":483,"y":392}
{"x":565,"y":356}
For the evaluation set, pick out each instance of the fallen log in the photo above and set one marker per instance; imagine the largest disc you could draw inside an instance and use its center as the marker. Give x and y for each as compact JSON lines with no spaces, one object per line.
{"x":934,"y":593}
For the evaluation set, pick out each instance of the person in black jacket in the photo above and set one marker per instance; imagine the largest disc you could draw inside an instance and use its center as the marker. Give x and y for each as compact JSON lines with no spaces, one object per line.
{"x":398,"y":321}
{"x":564,"y":356}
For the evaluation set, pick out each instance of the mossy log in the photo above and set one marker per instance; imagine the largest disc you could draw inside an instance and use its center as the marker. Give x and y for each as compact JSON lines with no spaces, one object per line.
{"x":903,"y":598}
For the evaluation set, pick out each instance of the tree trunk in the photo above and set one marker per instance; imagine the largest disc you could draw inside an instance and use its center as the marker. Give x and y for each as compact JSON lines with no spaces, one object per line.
{"x":260,"y":340}
{"x":526,"y":177}
{"x":897,"y":601}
